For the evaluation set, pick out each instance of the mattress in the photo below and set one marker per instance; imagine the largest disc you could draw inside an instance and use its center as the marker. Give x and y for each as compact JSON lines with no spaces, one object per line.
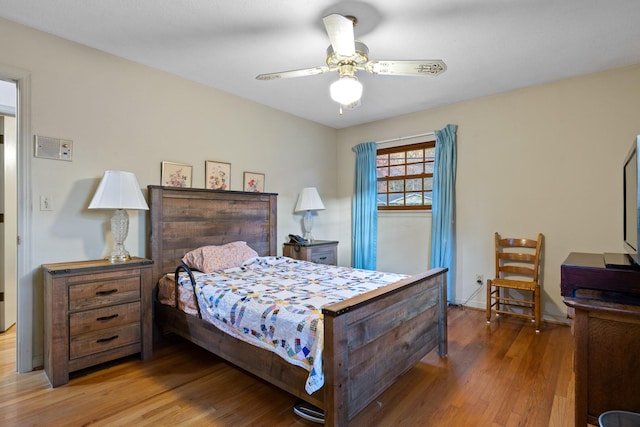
{"x":274,"y":303}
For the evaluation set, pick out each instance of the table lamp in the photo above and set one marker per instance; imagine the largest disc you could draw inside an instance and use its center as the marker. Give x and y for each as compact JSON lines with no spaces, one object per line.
{"x":309,"y":201}
{"x":119,"y":190}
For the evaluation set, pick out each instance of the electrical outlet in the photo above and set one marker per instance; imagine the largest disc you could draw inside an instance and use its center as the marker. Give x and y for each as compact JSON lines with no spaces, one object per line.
{"x":479,"y":279}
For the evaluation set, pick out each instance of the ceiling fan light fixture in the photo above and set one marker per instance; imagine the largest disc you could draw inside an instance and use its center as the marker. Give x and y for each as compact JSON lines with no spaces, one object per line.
{"x":346,"y":90}
{"x":346,"y":55}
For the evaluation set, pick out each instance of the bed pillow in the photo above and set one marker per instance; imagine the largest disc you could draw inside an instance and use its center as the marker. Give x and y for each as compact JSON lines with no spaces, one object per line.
{"x":211,"y":258}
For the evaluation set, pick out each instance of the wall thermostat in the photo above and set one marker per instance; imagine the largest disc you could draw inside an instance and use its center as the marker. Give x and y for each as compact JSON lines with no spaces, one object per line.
{"x":53,"y":148}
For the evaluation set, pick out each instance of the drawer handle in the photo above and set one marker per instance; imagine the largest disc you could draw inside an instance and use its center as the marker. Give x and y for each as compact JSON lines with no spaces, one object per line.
{"x":101,"y":340}
{"x":322,"y":258}
{"x":109,"y":292}
{"x":113,"y":316}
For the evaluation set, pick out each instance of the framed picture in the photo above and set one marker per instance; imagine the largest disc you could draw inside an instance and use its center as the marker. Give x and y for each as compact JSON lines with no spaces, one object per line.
{"x":253,"y":182}
{"x":217,"y":175}
{"x":176,"y":174}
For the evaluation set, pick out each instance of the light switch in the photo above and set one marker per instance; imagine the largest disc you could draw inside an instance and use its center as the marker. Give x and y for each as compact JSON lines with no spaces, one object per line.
{"x":66,"y":148}
{"x":46,"y":203}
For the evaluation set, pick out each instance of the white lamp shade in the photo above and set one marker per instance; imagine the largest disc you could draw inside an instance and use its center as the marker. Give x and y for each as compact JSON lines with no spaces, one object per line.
{"x":346,"y":90}
{"x":309,"y":200}
{"x":118,"y":190}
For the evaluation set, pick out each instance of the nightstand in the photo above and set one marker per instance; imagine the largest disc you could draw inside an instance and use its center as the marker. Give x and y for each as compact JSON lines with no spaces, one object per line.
{"x":94,"y":312}
{"x":318,"y":251}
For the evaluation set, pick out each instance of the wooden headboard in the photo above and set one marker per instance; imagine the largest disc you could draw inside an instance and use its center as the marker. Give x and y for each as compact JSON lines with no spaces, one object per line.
{"x":183,"y":219}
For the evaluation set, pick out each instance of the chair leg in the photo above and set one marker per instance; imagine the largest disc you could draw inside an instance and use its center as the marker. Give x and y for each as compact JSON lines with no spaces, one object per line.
{"x":489,"y":285}
{"x":536,"y":308}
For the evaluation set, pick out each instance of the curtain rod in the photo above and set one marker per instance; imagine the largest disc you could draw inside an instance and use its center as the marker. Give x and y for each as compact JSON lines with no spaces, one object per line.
{"x":406,"y":137}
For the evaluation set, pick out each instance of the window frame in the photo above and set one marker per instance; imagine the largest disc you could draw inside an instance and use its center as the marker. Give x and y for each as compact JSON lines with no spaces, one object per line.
{"x":405,"y":149}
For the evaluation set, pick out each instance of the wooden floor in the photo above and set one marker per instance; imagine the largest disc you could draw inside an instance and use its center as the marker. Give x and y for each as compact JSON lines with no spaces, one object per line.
{"x":498,"y":375}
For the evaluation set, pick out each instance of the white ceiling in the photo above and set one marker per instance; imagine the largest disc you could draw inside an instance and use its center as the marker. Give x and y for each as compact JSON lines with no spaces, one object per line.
{"x":489,"y":46}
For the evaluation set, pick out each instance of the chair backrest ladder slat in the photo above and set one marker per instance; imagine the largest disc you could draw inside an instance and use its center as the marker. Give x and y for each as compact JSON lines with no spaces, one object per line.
{"x":510,"y":258}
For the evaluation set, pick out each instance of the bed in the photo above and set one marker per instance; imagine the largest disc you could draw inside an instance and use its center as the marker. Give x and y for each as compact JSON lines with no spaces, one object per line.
{"x":369,"y":340}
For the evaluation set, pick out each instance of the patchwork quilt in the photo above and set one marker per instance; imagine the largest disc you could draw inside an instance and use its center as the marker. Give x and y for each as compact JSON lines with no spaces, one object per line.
{"x":275,"y":303}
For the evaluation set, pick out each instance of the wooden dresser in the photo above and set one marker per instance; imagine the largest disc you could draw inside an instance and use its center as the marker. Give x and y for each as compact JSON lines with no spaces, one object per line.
{"x":318,"y":251}
{"x":606,"y":328}
{"x":95,"y":311}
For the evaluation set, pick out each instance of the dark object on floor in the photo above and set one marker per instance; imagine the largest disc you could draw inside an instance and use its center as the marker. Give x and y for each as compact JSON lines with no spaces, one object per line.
{"x":309,"y":412}
{"x":619,"y":419}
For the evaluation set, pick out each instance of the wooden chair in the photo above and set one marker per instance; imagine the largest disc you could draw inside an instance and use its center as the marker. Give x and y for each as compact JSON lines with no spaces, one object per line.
{"x":517,"y":267}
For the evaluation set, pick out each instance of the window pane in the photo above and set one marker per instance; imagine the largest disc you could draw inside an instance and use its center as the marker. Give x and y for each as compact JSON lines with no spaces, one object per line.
{"x":396,"y":185}
{"x":430,"y":153}
{"x":382,"y":200}
{"x":382,"y":186}
{"x":397,"y":170}
{"x":382,"y":160}
{"x":413,"y":199}
{"x":427,"y":197}
{"x":382,"y":172}
{"x":415,"y":169}
{"x":414,"y":156}
{"x":428,"y":167}
{"x":396,"y":199}
{"x":428,"y":183}
{"x":414,"y":184}
{"x":397,"y":158}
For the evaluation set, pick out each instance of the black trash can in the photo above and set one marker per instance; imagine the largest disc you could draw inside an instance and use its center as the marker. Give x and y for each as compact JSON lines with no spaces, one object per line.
{"x":619,"y":419}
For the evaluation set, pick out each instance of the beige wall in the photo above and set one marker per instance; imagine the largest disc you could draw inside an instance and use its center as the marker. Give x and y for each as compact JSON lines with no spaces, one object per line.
{"x":543,"y":159}
{"x":122,"y":115}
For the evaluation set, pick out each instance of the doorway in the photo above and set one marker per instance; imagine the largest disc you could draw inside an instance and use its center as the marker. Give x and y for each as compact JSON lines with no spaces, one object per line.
{"x":8,"y":205}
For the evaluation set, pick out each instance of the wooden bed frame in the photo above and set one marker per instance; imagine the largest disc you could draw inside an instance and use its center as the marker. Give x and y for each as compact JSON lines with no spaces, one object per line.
{"x":370,"y":340}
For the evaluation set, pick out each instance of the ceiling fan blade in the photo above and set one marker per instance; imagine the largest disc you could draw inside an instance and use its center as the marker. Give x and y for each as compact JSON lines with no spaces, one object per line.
{"x":294,"y":73}
{"x":340,"y":31}
{"x":407,"y":68}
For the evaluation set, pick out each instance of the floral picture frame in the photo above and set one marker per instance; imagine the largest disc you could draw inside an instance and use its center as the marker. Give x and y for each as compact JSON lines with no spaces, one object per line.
{"x":253,"y":182}
{"x":176,"y":174}
{"x":217,"y":175}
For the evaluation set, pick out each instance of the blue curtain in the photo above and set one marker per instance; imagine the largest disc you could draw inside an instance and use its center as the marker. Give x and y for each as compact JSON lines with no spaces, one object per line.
{"x":364,"y":215}
{"x":443,"y":204}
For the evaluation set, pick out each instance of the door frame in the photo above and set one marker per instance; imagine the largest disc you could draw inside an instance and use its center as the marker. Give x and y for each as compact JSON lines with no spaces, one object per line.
{"x":25,"y":361}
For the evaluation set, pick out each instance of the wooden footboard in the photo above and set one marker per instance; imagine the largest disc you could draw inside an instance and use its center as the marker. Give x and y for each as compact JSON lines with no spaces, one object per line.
{"x":373,"y":339}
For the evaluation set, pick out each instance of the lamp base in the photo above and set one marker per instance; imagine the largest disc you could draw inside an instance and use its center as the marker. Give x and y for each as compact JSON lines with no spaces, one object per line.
{"x":307,"y":221}
{"x":119,"y":255}
{"x":119,"y":229}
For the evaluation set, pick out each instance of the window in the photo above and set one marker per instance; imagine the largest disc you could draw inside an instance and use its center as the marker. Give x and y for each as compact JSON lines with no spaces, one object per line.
{"x":405,"y":176}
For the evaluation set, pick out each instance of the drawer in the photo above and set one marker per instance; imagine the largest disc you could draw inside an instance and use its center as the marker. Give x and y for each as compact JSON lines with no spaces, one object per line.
{"x":106,"y":339}
{"x":104,"y":292}
{"x":324,"y":255}
{"x":103,"y":318}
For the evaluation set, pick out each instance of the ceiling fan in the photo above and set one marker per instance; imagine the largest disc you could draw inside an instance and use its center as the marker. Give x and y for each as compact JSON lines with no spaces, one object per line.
{"x":347,"y":55}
